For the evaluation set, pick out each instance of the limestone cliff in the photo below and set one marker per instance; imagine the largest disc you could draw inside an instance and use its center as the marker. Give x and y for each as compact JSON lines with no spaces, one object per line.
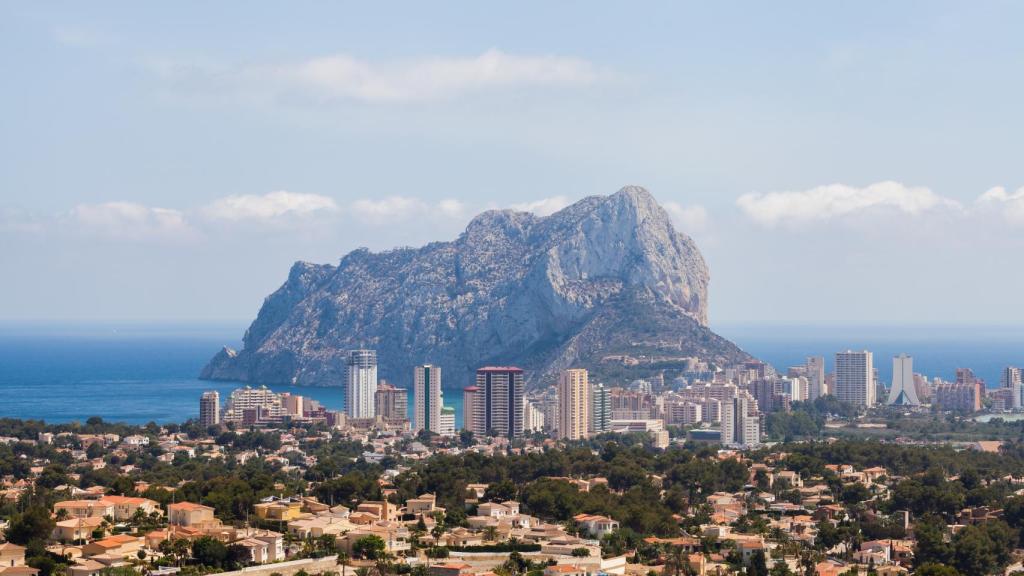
{"x":606,"y":276}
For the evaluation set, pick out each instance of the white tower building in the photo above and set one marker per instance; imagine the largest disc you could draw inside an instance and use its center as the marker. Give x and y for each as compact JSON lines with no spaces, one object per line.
{"x":903,"y":391}
{"x":361,"y":384}
{"x":855,"y":378}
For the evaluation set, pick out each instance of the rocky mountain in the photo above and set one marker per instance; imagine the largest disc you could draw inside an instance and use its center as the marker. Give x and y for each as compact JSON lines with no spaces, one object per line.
{"x":607,"y":276}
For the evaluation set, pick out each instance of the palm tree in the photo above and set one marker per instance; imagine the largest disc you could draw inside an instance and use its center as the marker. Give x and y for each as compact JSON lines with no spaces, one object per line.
{"x":490,"y":534}
{"x":343,"y":560}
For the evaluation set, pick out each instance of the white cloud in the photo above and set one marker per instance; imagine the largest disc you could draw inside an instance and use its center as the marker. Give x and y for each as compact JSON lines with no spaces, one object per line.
{"x":690,"y":218}
{"x":268,"y":206}
{"x":403,"y":207}
{"x":838,"y":200}
{"x":345,"y":77}
{"x":1009,"y":204}
{"x":131,"y":220}
{"x":544,"y":206}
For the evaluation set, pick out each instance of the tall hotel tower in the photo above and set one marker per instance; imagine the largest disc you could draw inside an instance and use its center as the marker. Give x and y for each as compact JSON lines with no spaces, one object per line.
{"x":361,"y":384}
{"x":427,"y":396}
{"x":495,"y":404}
{"x":209,"y":409}
{"x":816,"y":377}
{"x":573,"y":404}
{"x":903,"y":391}
{"x":854,"y":379}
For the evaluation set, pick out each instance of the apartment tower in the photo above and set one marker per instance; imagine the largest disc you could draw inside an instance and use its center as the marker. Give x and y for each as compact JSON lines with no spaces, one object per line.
{"x":573,"y":404}
{"x":816,"y":387}
{"x":427,"y":397}
{"x":854,"y":378}
{"x":209,"y":409}
{"x":499,"y":408}
{"x":361,"y":384}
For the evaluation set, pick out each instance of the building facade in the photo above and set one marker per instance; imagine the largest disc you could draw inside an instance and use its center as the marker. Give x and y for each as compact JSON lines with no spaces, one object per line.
{"x":816,"y":387}
{"x":498,"y":408}
{"x":854,"y":378}
{"x":361,"y":384}
{"x":391,"y":402}
{"x":446,"y":421}
{"x":209,"y":408}
{"x":428,"y":399}
{"x":600,"y":408}
{"x":741,"y":423}
{"x":903,"y":391}
{"x":573,"y":404}
{"x":471,"y":397}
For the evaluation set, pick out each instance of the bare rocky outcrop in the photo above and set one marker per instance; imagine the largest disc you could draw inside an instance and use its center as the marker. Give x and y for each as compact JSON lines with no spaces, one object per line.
{"x":605,"y":276}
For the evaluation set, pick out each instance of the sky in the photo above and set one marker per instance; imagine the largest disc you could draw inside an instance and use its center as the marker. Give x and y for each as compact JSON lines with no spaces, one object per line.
{"x":836,"y":163}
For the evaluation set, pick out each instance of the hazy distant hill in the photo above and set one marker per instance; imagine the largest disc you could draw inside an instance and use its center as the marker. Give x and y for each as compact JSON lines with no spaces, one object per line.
{"x":608,"y":275}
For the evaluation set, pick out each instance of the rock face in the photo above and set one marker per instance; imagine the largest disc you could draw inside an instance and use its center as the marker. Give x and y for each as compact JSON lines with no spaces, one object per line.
{"x":605,"y":276}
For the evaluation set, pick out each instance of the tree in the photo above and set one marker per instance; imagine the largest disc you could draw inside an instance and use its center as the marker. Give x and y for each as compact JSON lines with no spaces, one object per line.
{"x":34,"y":524}
{"x":210,"y":552}
{"x":758,"y":564}
{"x":343,"y":561}
{"x":369,"y":547}
{"x":932,"y":569}
{"x":581,"y":552}
{"x":931,"y":547}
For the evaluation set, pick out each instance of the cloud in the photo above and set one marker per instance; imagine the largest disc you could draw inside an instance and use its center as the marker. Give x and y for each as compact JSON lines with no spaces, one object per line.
{"x":837,"y":200}
{"x":544,"y":206}
{"x":268,"y":206}
{"x":403,"y":207}
{"x":345,"y":77}
{"x":1009,"y":204}
{"x":130,"y":220}
{"x":690,"y":218}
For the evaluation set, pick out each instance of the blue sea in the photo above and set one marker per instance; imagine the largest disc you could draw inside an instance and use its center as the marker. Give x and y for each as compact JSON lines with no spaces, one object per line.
{"x":138,"y":373}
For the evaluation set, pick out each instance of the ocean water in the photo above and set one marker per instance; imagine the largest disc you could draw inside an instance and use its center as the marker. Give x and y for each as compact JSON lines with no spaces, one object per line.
{"x":141,"y":373}
{"x":937,"y":350}
{"x":125,"y":373}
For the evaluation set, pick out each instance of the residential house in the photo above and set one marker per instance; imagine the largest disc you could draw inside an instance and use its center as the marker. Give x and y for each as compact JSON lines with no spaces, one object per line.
{"x":596,"y":526}
{"x":120,"y":546}
{"x":191,"y":515}
{"x":11,"y":555}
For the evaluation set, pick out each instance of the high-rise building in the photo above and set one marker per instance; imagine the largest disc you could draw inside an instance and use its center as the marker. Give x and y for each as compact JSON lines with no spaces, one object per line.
{"x":903,"y":391}
{"x":600,"y":408}
{"x":499,"y":408}
{"x":361,"y":384}
{"x":795,"y":387}
{"x":573,"y":404}
{"x":391,"y":402}
{"x":533,"y":417}
{"x":959,"y":396}
{"x":854,"y":378}
{"x":769,"y":395}
{"x":472,"y":403}
{"x":816,"y":387}
{"x":1013,"y":380}
{"x":292,"y":405}
{"x":741,"y":424}
{"x":209,"y":408}
{"x":446,"y":421}
{"x":965,"y":376}
{"x":631,"y":404}
{"x":428,"y":398}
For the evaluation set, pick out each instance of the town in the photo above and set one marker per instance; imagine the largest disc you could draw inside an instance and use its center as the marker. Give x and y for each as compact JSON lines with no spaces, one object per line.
{"x":718,"y":471}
